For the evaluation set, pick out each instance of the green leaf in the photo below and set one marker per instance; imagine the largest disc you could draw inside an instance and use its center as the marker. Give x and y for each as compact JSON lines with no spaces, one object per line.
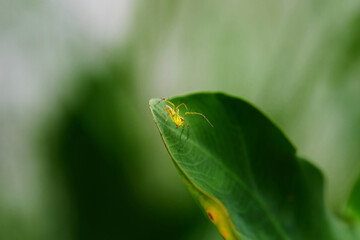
{"x":354,"y":202}
{"x":245,"y":173}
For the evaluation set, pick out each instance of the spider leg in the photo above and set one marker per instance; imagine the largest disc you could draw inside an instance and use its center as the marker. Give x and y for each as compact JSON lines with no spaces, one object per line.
{"x":182,"y":127}
{"x":188,"y":134}
{"x":166,"y":118}
{"x":196,"y":113}
{"x":164,"y":99}
{"x":159,"y":102}
{"x":163,"y":111}
{"x":181,"y":145}
{"x":182,"y":104}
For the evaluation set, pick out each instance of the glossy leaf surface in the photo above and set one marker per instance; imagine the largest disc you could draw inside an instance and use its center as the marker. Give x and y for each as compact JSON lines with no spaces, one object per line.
{"x":244,"y":172}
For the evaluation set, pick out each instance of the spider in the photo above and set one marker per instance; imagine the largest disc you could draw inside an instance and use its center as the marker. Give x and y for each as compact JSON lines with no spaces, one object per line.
{"x":174,"y":114}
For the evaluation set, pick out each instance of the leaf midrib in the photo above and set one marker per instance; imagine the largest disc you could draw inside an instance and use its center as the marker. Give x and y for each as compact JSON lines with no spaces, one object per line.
{"x":238,"y":180}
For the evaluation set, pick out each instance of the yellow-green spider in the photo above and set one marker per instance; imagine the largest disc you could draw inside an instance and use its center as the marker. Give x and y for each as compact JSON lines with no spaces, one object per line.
{"x":174,"y":114}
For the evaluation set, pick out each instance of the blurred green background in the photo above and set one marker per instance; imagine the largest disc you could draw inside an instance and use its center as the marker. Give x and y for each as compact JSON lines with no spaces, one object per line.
{"x":80,"y":156}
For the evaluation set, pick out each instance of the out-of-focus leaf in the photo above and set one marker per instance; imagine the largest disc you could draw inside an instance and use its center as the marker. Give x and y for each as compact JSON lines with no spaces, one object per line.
{"x":354,"y":201}
{"x":245,"y":173}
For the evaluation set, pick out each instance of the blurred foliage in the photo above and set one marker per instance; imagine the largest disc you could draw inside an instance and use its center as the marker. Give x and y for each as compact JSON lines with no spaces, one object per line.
{"x":98,"y":155}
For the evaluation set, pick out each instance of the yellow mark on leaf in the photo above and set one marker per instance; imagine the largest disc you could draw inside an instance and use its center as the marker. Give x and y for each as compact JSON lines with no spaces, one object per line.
{"x":215,"y":211}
